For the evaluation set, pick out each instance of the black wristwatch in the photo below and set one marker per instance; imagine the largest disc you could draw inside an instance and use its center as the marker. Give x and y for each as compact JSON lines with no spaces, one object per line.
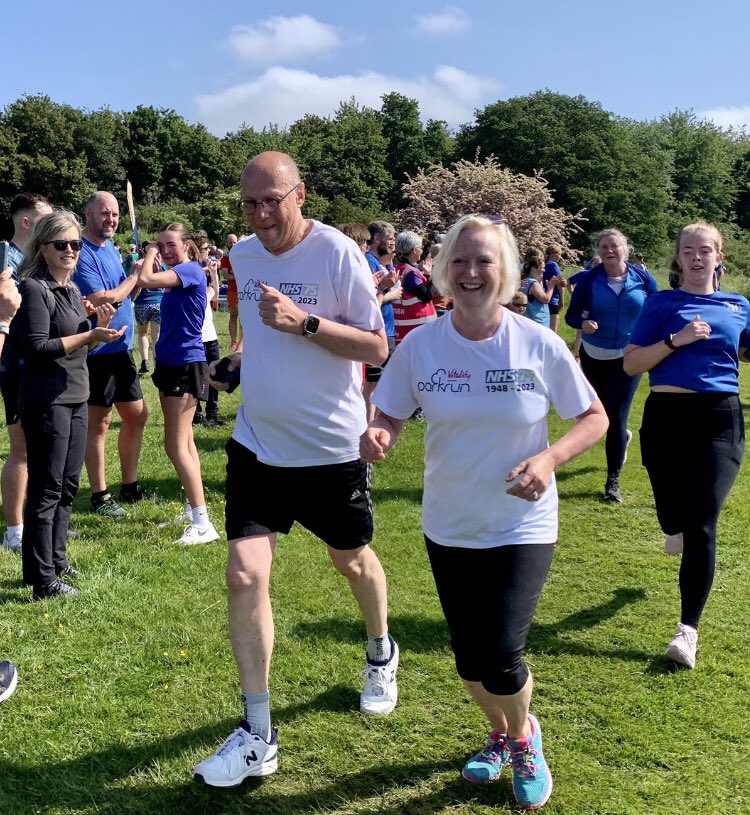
{"x":669,"y":343}
{"x":310,"y":325}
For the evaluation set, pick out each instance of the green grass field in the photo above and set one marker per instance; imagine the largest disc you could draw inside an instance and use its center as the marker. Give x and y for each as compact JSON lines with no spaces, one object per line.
{"x":122,"y":690}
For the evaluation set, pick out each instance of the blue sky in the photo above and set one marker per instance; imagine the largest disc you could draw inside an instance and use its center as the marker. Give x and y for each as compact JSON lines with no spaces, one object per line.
{"x":233,"y":62}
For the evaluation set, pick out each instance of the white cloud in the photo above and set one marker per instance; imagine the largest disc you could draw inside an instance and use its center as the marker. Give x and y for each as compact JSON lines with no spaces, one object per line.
{"x":283,"y":39}
{"x":446,"y":22}
{"x":283,"y":95}
{"x":727,"y":116}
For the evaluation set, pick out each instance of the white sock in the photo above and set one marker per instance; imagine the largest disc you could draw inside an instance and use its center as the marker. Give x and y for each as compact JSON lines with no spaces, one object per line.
{"x":12,"y":530}
{"x":200,"y":517}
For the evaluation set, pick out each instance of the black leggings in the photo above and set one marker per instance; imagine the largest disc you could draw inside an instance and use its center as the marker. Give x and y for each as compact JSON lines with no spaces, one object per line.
{"x":616,"y":390}
{"x":692,"y":446}
{"x":489,"y":597}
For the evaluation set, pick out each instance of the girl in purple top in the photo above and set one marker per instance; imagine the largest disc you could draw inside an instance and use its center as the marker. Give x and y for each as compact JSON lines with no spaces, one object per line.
{"x":180,"y":371}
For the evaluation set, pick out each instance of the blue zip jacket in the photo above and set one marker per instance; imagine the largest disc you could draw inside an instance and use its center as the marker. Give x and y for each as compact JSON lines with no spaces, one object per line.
{"x":593,"y":299}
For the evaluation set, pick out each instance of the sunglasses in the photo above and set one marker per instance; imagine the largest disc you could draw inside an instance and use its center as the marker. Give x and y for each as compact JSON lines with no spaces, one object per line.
{"x":61,"y":246}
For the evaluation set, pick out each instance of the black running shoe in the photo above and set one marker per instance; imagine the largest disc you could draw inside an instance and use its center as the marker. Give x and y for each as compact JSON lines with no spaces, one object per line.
{"x":56,"y":589}
{"x":138,"y":494}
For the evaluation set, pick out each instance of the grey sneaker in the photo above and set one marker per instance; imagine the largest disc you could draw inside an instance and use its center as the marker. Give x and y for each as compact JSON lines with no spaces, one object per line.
{"x":107,"y":506}
{"x":612,"y":489}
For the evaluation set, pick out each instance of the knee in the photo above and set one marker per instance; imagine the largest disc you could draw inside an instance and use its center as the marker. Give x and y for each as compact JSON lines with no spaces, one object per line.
{"x":244,"y":578}
{"x":100,"y":425}
{"x":351,"y":564}
{"x":507,"y":675}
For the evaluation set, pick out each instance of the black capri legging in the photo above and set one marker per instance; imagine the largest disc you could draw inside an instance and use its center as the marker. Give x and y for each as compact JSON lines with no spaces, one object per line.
{"x":692,"y":446}
{"x":489,"y":597}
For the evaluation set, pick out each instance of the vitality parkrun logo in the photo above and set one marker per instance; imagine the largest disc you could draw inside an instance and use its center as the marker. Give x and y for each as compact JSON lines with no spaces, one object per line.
{"x":301,"y":293}
{"x":446,"y":381}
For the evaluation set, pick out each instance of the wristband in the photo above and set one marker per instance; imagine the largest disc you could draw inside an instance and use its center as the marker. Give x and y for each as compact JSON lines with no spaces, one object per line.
{"x":4,"y":328}
{"x":669,"y":343}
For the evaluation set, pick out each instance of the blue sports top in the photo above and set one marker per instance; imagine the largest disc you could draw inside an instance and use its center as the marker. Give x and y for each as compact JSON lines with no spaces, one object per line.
{"x":551,"y":269}
{"x":183,"y":308}
{"x":387,"y":308}
{"x":710,"y":365}
{"x":100,"y":269}
{"x":594,"y":299}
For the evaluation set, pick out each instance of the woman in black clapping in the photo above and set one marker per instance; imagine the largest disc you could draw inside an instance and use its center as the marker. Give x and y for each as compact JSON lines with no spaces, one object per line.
{"x":55,"y":337}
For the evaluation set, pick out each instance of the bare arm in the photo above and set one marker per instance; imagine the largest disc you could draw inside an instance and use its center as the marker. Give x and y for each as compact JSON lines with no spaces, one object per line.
{"x":282,"y":314}
{"x":380,"y":437}
{"x":116,"y":295}
{"x":534,"y":473}
{"x":538,"y":293}
{"x":641,"y":358}
{"x":149,"y":279}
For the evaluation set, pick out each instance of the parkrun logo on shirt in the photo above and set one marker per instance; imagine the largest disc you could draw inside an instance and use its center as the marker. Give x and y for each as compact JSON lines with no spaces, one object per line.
{"x":734,"y":307}
{"x":506,"y":376}
{"x":251,"y":290}
{"x":443,"y":381}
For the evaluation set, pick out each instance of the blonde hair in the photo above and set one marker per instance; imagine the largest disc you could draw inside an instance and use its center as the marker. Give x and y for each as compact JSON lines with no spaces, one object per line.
{"x":509,"y":261}
{"x":46,"y":229}
{"x":692,"y":229}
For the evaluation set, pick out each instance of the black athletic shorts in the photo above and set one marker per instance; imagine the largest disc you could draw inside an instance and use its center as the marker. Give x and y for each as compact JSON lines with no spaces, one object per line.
{"x":177,"y":380}
{"x":113,"y":378}
{"x":332,"y":501}
{"x":554,"y":308}
{"x":373,"y":372}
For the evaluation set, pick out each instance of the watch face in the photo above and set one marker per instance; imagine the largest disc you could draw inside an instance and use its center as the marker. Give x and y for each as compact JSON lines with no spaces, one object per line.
{"x":311,"y":324}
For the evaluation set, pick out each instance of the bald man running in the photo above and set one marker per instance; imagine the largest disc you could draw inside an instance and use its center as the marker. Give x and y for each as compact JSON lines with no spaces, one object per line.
{"x":310,"y":319}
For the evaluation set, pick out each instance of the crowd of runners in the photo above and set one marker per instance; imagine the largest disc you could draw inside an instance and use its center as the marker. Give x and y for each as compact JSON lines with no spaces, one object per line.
{"x":460,"y":332}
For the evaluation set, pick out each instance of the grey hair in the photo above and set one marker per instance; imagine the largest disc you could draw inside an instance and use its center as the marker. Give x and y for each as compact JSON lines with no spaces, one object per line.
{"x":405,"y":242}
{"x":617,"y":235}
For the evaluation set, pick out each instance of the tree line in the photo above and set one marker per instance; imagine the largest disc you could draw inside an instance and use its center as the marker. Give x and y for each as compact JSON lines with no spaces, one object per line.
{"x":647,"y":178}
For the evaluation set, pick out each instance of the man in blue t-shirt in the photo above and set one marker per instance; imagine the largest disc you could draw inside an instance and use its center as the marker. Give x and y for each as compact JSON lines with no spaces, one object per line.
{"x":113,"y":377}
{"x":26,"y":209}
{"x":379,"y":256}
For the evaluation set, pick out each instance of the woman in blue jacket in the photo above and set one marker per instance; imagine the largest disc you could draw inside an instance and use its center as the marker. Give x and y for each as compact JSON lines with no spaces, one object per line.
{"x":605,"y":306}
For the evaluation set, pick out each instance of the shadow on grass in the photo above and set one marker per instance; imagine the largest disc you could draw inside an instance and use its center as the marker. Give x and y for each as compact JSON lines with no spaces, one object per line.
{"x":422,"y":635}
{"x":573,"y":472}
{"x":546,"y":637}
{"x":382,"y":495}
{"x":126,"y":778}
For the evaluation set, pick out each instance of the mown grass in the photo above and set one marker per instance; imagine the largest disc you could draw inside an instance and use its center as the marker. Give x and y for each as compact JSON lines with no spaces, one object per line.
{"x":125,"y":688}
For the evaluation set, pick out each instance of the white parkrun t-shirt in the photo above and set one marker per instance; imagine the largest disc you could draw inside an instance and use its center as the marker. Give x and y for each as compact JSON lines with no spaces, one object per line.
{"x":486,"y":404}
{"x":302,"y":405}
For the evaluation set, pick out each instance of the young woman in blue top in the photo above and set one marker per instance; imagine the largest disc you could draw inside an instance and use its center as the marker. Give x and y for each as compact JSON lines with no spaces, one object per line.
{"x":690,"y":340}
{"x":180,"y":372}
{"x":531,"y":285}
{"x":605,"y":305}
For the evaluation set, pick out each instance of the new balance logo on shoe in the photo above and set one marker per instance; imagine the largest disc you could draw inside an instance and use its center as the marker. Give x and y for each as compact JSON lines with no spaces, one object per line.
{"x":251,"y":757}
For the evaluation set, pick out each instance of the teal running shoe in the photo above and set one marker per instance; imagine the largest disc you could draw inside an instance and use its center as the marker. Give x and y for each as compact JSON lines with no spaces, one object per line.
{"x":532,"y":780}
{"x":485,"y":767}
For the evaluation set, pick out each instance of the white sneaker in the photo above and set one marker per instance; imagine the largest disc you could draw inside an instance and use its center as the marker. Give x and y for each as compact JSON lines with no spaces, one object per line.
{"x":198,"y":534}
{"x":629,"y":434}
{"x":12,"y":542}
{"x":242,"y":755}
{"x":185,"y":517}
{"x":673,"y":544}
{"x":683,"y":646}
{"x":381,"y":692}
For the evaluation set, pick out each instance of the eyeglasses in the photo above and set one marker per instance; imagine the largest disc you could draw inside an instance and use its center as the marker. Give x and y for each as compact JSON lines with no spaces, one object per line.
{"x":270,"y":205}
{"x":61,"y":246}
